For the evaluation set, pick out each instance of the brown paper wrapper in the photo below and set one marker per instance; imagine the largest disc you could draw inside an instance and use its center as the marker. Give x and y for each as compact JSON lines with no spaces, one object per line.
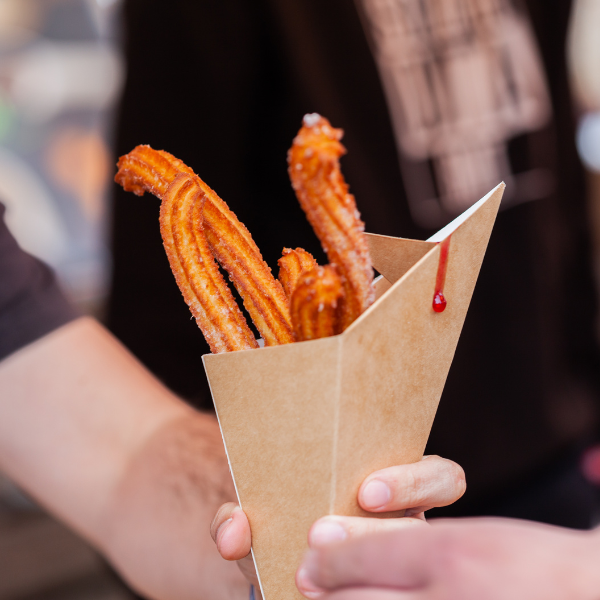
{"x":304,"y":424}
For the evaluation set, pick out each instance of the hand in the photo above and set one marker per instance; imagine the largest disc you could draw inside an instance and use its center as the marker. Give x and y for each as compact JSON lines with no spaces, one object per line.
{"x":470,"y":559}
{"x":417,"y":487}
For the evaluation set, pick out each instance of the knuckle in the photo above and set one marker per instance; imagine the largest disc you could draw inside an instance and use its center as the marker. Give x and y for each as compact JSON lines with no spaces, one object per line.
{"x":431,"y":457}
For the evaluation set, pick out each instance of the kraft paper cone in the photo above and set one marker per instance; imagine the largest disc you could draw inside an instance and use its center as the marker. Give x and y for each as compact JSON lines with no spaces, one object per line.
{"x":305,"y":423}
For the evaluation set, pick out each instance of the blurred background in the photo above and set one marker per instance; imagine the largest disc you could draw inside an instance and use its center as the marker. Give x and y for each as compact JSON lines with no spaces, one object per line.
{"x":60,"y":75}
{"x":62,"y":71}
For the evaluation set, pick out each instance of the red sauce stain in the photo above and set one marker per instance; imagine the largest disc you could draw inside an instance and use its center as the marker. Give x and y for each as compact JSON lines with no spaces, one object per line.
{"x":439,"y":301}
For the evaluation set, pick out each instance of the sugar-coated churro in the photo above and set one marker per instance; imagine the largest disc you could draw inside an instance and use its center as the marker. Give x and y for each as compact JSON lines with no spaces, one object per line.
{"x":145,"y":169}
{"x":196,"y":271}
{"x":198,"y":227}
{"x":291,"y":265}
{"x":315,"y":302}
{"x":322,"y":192}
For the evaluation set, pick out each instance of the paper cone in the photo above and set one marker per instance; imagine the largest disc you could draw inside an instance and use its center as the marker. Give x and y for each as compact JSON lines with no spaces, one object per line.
{"x":305,"y":423}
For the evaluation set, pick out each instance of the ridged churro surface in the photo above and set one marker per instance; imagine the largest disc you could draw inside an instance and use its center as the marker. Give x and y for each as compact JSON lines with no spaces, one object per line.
{"x":145,"y":169}
{"x":291,"y":265}
{"x":314,"y":170}
{"x":315,"y":303}
{"x":196,"y":271}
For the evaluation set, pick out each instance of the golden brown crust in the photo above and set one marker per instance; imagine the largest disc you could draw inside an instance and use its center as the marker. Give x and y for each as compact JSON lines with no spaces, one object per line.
{"x":291,"y":265}
{"x":145,"y":169}
{"x":322,"y":192}
{"x":315,"y":302}
{"x":237,"y":253}
{"x":196,"y":271}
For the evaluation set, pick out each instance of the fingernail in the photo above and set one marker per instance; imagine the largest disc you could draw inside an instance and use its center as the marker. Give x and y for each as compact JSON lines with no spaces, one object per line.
{"x":221,"y":530}
{"x":326,"y":532}
{"x":375,"y":494}
{"x":305,"y":585}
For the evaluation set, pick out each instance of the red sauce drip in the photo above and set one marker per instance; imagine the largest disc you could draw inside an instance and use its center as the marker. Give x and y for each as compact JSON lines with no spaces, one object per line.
{"x":439,"y":301}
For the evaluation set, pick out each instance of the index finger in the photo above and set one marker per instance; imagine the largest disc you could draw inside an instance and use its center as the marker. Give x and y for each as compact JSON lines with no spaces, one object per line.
{"x":434,"y":481}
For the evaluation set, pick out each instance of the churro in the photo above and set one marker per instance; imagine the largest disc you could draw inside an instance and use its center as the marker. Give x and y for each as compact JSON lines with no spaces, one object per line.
{"x":196,"y":271}
{"x":315,"y":302}
{"x":148,"y":170}
{"x":323,"y":194}
{"x":291,"y":265}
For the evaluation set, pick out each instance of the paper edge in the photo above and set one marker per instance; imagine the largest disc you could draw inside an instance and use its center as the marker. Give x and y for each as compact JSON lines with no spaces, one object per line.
{"x":365,"y":314}
{"x":230,"y":468}
{"x":393,"y":237}
{"x":444,"y":232}
{"x":436,"y":238}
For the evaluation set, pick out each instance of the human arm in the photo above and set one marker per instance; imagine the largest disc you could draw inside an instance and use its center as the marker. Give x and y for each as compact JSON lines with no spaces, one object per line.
{"x":97,"y":440}
{"x":470,"y":559}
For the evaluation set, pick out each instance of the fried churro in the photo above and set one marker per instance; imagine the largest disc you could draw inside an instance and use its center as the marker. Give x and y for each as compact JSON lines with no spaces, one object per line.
{"x":291,"y":265}
{"x":196,"y":271}
{"x":198,"y":227}
{"x":323,"y":194}
{"x":315,"y":302}
{"x":148,"y":170}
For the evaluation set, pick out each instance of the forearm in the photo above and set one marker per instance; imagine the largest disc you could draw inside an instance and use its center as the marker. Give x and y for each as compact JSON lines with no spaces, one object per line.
{"x":176,"y":481}
{"x":87,"y":431}
{"x":75,"y":406}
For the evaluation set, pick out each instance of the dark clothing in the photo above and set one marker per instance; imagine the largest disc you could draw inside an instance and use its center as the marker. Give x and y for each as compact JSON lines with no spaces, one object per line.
{"x":31,"y":303}
{"x":223,"y":85}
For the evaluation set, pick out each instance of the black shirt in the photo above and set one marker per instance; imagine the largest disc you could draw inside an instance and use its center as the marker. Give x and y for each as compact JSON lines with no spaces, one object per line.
{"x":31,"y":303}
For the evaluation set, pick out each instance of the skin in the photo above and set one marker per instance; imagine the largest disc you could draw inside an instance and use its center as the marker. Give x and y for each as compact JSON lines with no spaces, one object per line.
{"x":414,"y":488}
{"x":98,"y":441}
{"x":470,"y":559}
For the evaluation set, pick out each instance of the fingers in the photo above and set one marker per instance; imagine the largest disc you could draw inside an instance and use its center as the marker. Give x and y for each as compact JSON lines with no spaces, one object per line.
{"x":331,"y":529}
{"x":433,"y":481}
{"x":395,"y":559}
{"x":230,"y":530}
